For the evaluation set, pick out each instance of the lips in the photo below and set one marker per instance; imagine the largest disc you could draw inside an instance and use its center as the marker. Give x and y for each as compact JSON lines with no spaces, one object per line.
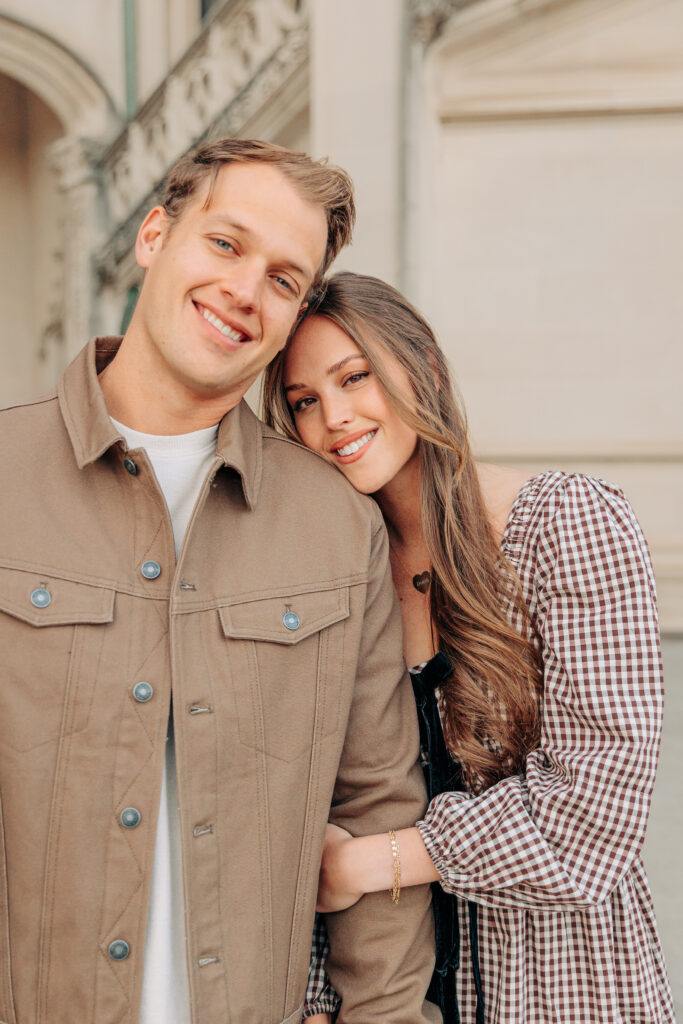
{"x":353,"y":446}
{"x":230,"y":331}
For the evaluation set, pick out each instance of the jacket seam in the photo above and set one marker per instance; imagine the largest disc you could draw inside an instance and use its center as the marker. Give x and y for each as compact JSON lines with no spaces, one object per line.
{"x":51,"y":396}
{"x":311,"y":798}
{"x":253,"y":596}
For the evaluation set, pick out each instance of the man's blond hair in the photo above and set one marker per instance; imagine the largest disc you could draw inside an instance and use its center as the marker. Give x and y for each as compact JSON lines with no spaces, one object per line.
{"x":316,"y":181}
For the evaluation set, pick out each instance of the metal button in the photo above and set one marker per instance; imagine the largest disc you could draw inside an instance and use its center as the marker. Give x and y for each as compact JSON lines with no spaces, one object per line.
{"x":119,"y":949}
{"x":130,"y":817}
{"x":131,"y":466}
{"x":143,"y":692}
{"x":40,"y":598}
{"x":150,"y":570}
{"x":290,"y":620}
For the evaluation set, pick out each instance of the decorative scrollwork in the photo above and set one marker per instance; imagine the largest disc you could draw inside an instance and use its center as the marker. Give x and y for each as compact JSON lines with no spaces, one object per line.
{"x":430,"y":16}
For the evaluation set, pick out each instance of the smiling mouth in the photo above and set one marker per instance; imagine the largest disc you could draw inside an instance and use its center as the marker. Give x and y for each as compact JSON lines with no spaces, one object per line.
{"x":224,"y":329}
{"x":355,"y":446}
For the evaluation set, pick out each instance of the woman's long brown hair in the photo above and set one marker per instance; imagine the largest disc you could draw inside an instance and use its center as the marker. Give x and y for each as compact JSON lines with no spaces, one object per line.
{"x":490,"y":702}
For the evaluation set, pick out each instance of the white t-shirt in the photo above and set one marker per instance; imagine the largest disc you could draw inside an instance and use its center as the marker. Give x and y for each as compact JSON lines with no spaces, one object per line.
{"x":181,"y":463}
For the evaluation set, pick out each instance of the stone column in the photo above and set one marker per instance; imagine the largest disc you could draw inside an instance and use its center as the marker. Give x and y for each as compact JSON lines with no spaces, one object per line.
{"x":74,"y":161}
{"x":357,"y":120}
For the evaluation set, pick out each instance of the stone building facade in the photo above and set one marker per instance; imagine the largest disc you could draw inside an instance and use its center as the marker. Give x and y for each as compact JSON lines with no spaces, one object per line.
{"x":518,"y":167}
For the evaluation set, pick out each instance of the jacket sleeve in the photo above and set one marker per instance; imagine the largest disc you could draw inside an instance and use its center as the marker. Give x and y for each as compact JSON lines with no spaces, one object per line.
{"x":381,"y":956}
{"x":564,"y":836}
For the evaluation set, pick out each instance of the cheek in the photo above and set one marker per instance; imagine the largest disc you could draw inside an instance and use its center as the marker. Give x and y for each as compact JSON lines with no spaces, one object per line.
{"x":309,"y":433}
{"x":405,"y":441}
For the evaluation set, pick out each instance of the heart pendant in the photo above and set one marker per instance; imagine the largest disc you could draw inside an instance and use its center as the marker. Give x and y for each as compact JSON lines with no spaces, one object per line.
{"x":422,"y":580}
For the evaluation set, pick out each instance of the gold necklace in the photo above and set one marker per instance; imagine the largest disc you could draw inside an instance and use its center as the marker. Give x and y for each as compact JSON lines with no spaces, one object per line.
{"x":421,"y":580}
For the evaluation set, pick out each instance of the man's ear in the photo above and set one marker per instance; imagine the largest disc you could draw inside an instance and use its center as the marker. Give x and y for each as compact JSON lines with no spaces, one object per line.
{"x":150,"y":236}
{"x":302,"y":308}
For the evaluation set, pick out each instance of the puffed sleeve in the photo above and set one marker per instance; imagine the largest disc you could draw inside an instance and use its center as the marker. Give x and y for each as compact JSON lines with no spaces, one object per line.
{"x":320,"y":995}
{"x":565,"y":835}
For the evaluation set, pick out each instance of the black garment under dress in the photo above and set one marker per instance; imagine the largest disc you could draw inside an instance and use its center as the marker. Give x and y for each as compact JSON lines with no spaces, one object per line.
{"x":442,"y":773}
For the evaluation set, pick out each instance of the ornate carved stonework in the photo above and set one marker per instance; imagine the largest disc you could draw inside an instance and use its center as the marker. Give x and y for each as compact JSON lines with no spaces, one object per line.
{"x":74,"y":160}
{"x":240,"y":63}
{"x":430,"y":16}
{"x":230,"y":55}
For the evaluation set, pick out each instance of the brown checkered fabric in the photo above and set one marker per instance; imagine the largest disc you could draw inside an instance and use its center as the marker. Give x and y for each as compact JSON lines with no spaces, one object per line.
{"x":566,"y":925}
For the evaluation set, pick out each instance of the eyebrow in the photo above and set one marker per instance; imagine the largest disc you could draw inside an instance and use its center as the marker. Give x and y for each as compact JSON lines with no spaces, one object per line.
{"x":328,"y":373}
{"x":244,"y":230}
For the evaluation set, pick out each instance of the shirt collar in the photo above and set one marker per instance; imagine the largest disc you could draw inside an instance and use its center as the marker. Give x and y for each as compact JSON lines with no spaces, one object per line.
{"x":92,"y":432}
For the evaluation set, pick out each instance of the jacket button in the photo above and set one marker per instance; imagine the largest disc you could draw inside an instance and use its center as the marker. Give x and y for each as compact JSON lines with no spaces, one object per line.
{"x":119,"y":949}
{"x":143,"y":692}
{"x":131,"y":466}
{"x":150,"y":570}
{"x":41,"y":597}
{"x":130,"y":817}
{"x":290,"y":620}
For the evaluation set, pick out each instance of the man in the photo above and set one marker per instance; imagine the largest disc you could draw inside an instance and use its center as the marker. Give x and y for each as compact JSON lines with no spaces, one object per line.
{"x":171,"y":567}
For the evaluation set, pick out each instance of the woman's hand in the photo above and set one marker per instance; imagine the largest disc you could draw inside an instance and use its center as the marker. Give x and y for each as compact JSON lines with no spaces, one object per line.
{"x":337,"y":887}
{"x":351,"y":867}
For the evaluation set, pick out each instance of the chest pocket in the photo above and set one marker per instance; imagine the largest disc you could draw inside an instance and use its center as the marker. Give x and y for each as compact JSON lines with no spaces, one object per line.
{"x":51,"y":635}
{"x":286,"y":662}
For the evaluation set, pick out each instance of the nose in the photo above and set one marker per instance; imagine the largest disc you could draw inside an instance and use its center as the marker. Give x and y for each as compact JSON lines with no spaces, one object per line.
{"x":244,"y":285}
{"x":337,"y":411}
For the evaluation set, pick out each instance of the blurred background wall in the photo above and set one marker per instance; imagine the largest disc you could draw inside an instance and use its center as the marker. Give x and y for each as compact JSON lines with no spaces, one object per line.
{"x":518,"y":166}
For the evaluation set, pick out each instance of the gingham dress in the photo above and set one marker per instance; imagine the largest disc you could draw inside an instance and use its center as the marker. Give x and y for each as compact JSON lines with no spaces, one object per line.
{"x":566,"y":925}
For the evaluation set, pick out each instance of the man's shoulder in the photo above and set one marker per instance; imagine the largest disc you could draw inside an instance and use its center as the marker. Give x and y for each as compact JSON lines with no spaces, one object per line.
{"x":34,"y":402}
{"x":23,"y":418}
{"x":290,"y":463}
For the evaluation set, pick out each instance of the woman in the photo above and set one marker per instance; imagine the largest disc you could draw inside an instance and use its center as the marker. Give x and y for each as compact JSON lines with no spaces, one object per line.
{"x":529,"y":614}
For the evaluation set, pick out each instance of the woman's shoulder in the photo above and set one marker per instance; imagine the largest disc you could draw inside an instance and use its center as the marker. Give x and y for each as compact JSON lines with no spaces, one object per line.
{"x":563,"y":510}
{"x":578,"y":494}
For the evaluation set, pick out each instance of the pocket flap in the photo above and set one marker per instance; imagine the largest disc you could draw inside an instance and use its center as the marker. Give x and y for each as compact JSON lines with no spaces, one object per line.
{"x":265,"y":619}
{"x":44,"y":600}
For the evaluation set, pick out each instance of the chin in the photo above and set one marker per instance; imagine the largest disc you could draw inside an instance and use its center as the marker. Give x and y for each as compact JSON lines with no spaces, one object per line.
{"x":364,"y":483}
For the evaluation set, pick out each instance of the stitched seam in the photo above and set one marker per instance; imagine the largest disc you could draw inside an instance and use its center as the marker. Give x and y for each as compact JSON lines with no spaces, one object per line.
{"x":110,"y":965}
{"x":139,"y":672}
{"x":86,"y":579}
{"x":190,"y":918}
{"x":6,"y":976}
{"x":311,"y":800}
{"x":51,"y":396}
{"x":247,"y":597}
{"x":264,"y":847}
{"x":54,"y":832}
{"x":114,"y":924}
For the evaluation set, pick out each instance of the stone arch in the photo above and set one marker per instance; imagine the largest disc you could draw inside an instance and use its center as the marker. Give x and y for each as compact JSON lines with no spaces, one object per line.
{"x":50,"y":188}
{"x":58,"y":77}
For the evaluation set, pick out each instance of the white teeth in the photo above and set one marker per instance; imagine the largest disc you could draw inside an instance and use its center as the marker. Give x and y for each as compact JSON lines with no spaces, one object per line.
{"x":350,"y":449}
{"x":223,"y":328}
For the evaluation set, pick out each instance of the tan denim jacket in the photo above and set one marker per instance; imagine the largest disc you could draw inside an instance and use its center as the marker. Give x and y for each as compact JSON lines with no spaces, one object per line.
{"x":272,"y":724}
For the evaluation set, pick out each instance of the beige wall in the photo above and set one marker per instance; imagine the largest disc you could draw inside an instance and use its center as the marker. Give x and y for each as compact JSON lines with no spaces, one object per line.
{"x":561,"y":303}
{"x":662,"y":852}
{"x":28,"y":214}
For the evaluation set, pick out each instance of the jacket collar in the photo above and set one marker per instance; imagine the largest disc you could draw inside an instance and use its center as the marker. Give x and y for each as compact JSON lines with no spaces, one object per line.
{"x":92,"y":432}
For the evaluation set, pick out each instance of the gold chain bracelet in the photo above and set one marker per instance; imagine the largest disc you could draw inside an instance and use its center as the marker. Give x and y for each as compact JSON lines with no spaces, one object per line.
{"x":395,"y":891}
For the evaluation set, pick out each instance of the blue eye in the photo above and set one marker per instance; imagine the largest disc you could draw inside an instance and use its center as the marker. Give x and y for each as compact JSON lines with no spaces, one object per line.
{"x":285,"y":284}
{"x":223,"y":244}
